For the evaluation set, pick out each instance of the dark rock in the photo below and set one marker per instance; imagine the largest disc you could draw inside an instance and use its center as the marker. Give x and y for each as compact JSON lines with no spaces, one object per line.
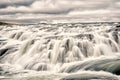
{"x":118,"y":26}
{"x":115,"y":36}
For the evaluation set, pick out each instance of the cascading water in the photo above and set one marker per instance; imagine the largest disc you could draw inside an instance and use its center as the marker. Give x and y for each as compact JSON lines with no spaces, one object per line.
{"x":70,"y":51}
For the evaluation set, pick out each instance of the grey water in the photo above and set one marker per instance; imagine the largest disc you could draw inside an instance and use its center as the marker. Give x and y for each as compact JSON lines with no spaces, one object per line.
{"x":61,"y":51}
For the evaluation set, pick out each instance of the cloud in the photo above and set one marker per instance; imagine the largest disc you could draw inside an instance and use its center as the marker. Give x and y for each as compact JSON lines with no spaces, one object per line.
{"x":39,"y":9}
{"x":54,"y":6}
{"x":42,"y":7}
{"x":15,"y":3}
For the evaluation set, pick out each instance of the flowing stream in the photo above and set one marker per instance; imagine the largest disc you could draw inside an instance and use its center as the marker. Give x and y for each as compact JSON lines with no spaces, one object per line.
{"x":66,"y":51}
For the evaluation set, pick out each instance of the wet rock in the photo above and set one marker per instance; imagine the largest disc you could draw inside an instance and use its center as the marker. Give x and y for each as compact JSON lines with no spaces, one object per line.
{"x":88,"y":36}
{"x":118,"y":26}
{"x":115,"y":36}
{"x":6,"y":51}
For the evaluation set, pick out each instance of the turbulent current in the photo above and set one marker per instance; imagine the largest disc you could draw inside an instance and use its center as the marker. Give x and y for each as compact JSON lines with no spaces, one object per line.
{"x":63,"y":51}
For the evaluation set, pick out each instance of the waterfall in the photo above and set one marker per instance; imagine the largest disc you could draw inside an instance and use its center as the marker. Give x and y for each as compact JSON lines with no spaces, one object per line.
{"x":81,"y":53}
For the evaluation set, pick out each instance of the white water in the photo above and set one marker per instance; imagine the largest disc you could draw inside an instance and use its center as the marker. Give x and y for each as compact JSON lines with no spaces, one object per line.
{"x":60,"y":51}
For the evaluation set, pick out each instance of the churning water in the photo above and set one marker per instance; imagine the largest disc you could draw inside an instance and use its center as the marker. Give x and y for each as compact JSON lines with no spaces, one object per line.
{"x":67,"y":51}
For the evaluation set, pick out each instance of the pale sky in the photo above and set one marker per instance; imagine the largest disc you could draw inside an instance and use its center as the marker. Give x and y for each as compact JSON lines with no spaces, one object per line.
{"x":31,"y":11}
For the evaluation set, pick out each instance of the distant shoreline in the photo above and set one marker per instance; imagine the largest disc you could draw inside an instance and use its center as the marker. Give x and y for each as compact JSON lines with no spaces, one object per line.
{"x":5,"y":23}
{"x":8,"y":23}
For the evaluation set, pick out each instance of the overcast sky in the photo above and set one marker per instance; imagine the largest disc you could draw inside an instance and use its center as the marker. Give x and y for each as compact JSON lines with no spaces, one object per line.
{"x":81,"y":10}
